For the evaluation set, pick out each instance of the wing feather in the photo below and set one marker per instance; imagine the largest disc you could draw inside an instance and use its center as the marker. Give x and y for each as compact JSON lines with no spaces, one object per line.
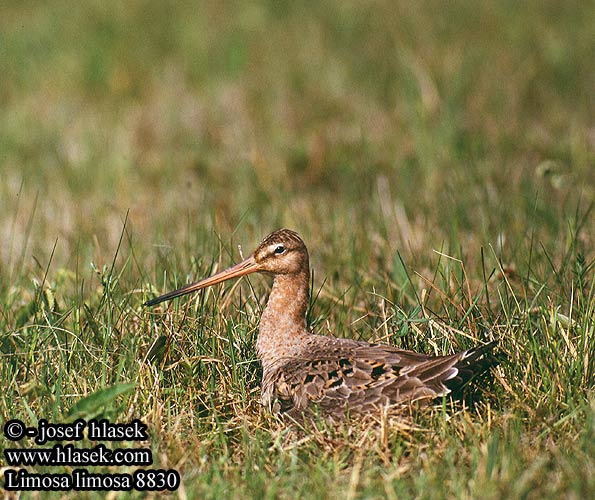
{"x":341,"y":374}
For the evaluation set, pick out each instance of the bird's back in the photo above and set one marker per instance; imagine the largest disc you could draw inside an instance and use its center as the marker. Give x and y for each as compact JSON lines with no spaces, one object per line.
{"x":343,"y":375}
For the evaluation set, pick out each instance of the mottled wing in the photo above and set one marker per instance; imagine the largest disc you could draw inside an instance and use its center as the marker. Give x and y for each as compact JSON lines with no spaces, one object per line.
{"x":361,"y":377}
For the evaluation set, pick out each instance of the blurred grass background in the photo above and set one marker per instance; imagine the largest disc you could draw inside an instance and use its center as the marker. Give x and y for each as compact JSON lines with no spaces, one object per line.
{"x":380,"y":131}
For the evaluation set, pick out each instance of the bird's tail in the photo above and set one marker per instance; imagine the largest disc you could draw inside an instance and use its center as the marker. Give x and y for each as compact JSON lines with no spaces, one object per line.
{"x":473,"y":364}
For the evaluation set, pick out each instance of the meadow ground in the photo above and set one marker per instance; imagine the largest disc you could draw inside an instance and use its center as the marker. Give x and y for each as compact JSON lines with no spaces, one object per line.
{"x":438,"y":160}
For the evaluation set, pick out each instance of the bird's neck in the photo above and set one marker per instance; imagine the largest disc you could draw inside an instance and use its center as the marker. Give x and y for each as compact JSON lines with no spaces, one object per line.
{"x":283,"y":322}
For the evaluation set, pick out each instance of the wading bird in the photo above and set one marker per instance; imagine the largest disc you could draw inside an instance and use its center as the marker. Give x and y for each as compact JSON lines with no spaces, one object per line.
{"x":302,"y":371}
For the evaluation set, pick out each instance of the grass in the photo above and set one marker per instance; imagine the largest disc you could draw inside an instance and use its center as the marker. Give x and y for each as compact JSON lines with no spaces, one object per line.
{"x":438,"y":161}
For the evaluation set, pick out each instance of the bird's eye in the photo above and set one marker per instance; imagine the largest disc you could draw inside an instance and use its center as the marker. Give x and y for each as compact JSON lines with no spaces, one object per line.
{"x":279,"y":249}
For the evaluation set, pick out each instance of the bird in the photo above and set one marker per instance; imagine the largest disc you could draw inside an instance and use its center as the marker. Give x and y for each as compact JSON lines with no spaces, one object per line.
{"x":304,"y":373}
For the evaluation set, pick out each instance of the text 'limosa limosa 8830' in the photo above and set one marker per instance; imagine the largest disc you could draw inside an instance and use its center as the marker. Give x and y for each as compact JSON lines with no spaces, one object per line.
{"x":302,"y":370}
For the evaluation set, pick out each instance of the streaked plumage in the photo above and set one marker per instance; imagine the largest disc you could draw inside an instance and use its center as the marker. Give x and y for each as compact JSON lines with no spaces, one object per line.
{"x":301,"y":369}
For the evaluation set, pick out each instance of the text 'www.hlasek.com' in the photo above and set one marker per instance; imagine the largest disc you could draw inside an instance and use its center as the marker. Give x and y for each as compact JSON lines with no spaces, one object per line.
{"x":52,"y":449}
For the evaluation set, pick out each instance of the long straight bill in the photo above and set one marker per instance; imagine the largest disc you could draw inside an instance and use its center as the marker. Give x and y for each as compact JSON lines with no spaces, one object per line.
{"x":245,"y":267}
